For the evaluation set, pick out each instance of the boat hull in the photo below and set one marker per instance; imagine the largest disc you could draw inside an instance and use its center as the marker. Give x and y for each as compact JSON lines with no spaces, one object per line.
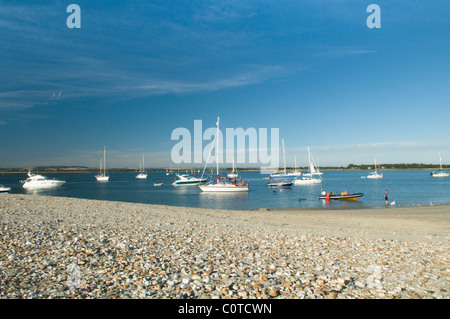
{"x":307,"y":181}
{"x":102,"y":178}
{"x":280,"y":185}
{"x":189,"y":183}
{"x":342,"y":197}
{"x":284,"y":176}
{"x":374,"y":176}
{"x":439,"y":174}
{"x":223,"y":188}
{"x":5,"y":189}
{"x":43,"y":184}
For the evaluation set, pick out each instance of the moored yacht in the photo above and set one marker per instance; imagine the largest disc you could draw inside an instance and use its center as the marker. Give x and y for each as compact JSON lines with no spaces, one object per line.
{"x":142,"y":174}
{"x":102,"y":177}
{"x":375,"y":174}
{"x":280,"y":184}
{"x":233,"y":173}
{"x":285,"y":174}
{"x":440,"y":173}
{"x":35,"y":181}
{"x":187,"y":180}
{"x":4,"y":189}
{"x":308,"y":178}
{"x":223,"y":184}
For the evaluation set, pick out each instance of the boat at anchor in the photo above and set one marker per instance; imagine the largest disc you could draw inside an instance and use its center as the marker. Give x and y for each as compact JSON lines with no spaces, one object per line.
{"x":102,"y":176}
{"x":280,"y":184}
{"x":223,"y":184}
{"x":187,"y":180}
{"x":142,"y":174}
{"x":342,"y":196}
{"x":439,"y":173}
{"x":4,"y":189}
{"x":36,"y":181}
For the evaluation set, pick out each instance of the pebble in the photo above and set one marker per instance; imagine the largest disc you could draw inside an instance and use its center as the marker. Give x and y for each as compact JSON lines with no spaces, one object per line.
{"x":73,"y":248}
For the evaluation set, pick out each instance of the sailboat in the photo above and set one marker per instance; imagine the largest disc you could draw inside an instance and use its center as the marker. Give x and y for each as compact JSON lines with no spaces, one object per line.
{"x":142,"y":174}
{"x":375,"y":174}
{"x":233,"y":173}
{"x":285,"y":174}
{"x":307,"y":178}
{"x":296,"y":172}
{"x":102,"y":177}
{"x":283,"y":179}
{"x":223,"y":184}
{"x":439,"y":173}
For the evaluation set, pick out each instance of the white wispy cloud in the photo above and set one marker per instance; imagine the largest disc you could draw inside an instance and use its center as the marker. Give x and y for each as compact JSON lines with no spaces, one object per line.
{"x":342,"y":52}
{"x":257,"y":75}
{"x":214,"y":11}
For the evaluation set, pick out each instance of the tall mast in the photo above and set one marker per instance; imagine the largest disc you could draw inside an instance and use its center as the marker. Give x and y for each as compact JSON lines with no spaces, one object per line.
{"x":104,"y":160}
{"x":309,"y":160}
{"x":217,"y":147}
{"x":284,"y":156}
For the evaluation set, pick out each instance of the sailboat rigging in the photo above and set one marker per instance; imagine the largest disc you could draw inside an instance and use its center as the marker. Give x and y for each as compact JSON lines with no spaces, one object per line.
{"x":102,"y":177}
{"x":222,"y":184}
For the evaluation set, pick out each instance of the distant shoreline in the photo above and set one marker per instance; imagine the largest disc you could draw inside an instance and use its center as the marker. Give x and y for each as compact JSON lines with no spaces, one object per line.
{"x":181,"y":170}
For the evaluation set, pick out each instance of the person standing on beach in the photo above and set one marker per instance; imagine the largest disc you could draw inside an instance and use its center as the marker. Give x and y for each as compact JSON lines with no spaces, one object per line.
{"x":386,"y":197}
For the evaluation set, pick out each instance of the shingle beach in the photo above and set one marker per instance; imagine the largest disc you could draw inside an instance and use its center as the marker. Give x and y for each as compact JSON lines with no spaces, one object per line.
{"x":56,"y":247}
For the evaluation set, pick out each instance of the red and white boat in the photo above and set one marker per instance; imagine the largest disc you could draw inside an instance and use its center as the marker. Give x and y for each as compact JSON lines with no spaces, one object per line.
{"x":223,"y":184}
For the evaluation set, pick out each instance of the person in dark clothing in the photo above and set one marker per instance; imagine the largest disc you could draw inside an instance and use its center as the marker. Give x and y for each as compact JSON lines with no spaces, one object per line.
{"x":386,"y":197}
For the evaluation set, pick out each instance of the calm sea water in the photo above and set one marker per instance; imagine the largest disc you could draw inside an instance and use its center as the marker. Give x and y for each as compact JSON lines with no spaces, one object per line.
{"x":406,"y":188}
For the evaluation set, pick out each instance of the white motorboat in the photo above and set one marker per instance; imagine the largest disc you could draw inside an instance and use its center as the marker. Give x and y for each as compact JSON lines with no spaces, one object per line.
{"x":4,"y":189}
{"x":439,"y":173}
{"x":375,"y":174}
{"x":36,"y":181}
{"x":102,"y":176}
{"x":142,"y":174}
{"x":223,"y":184}
{"x":280,"y":184}
{"x":187,"y":180}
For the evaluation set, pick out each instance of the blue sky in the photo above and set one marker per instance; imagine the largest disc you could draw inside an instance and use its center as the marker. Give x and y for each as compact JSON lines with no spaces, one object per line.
{"x":137,"y":70}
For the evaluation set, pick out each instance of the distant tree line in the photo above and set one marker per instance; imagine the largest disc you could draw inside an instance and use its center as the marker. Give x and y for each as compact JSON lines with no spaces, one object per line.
{"x":397,"y":166}
{"x":83,"y":169}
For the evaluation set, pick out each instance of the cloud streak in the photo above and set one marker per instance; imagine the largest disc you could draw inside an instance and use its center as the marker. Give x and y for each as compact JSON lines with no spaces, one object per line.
{"x":257,"y":75}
